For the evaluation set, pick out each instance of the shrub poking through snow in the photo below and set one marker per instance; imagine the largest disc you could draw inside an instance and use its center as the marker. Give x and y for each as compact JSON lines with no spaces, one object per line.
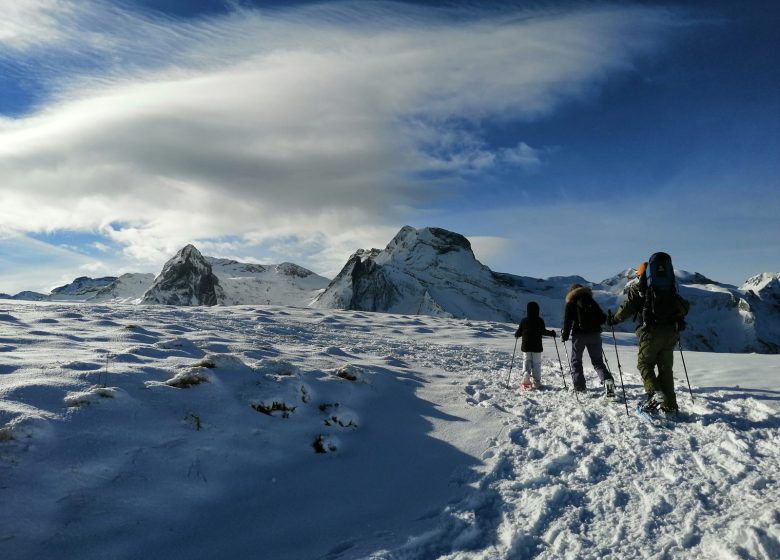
{"x":324,"y":444}
{"x":6,"y":434}
{"x":275,"y":369}
{"x":338,"y":421}
{"x":194,"y":421}
{"x":338,"y":417}
{"x":187,"y":379}
{"x":90,"y":396}
{"x":348,"y":372}
{"x":325,"y":407}
{"x":206,"y":363}
{"x":105,"y":392}
{"x":276,"y":408}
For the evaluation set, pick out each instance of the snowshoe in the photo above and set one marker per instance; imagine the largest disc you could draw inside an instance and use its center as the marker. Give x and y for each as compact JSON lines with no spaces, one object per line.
{"x":650,"y":405}
{"x":671,"y":413}
{"x":609,"y":389}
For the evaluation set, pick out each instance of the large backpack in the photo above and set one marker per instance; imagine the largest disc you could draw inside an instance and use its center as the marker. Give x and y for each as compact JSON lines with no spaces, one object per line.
{"x":590,"y":317}
{"x":661,"y":300}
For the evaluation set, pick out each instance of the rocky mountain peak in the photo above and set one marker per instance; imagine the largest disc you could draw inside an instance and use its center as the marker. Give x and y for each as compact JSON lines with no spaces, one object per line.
{"x":83,"y":285}
{"x":291,"y":269}
{"x":186,"y":279}
{"x":440,"y":240}
{"x":765,"y":282}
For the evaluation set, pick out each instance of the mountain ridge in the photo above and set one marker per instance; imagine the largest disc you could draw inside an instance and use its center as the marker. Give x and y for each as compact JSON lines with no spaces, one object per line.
{"x":433,"y":271}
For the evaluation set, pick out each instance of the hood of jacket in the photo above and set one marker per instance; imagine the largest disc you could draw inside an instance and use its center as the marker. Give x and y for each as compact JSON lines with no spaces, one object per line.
{"x":578,"y":291}
{"x":532,"y":309}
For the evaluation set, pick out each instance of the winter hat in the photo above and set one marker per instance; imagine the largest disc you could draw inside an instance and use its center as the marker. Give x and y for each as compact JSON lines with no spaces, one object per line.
{"x":532,"y":309}
{"x":640,"y":270}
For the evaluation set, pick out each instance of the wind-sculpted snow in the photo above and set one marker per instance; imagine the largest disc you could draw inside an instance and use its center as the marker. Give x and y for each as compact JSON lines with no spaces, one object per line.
{"x":149,"y":431}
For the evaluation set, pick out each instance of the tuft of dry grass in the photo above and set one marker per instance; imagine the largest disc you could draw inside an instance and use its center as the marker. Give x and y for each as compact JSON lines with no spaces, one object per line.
{"x":6,"y":434}
{"x":187,"y":379}
{"x":275,"y":406}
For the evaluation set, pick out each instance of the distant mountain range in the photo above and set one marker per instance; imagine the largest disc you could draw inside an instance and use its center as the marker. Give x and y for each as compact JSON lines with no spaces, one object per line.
{"x":432,"y":271}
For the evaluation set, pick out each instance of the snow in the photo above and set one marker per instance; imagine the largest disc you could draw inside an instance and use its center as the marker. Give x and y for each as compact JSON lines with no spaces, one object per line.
{"x":275,"y":432}
{"x":283,"y":284}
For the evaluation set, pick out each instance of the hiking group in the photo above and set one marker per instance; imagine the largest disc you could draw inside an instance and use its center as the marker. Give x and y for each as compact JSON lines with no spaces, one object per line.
{"x":652,"y":300}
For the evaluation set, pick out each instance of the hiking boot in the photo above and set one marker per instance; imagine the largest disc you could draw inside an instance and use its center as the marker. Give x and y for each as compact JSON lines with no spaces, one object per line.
{"x":537,"y":383}
{"x":609,"y":388}
{"x":526,"y":379}
{"x":650,"y":404}
{"x":659,"y":398}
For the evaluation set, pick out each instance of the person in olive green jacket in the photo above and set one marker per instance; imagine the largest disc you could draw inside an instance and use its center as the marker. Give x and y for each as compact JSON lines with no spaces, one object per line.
{"x":656,"y":346}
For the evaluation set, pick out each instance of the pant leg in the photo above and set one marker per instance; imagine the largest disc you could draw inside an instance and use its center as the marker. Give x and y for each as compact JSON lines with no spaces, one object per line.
{"x":596,"y":353}
{"x":665,"y":378}
{"x":577,"y":349}
{"x":537,"y":366}
{"x":527,"y":367}
{"x":649,"y":350}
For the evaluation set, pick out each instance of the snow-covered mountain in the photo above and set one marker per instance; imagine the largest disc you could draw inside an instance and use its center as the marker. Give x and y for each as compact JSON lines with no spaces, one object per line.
{"x":81,"y":288}
{"x":432,"y":271}
{"x":282,"y":284}
{"x":186,"y":279}
{"x":723,"y":318}
{"x":26,"y":295}
{"x":128,"y":288}
{"x":238,"y":284}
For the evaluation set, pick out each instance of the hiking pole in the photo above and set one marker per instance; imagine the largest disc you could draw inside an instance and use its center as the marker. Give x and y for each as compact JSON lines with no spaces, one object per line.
{"x":679,"y":341}
{"x":568,"y":361}
{"x":620,"y":370}
{"x":555,"y":340}
{"x":509,"y":376}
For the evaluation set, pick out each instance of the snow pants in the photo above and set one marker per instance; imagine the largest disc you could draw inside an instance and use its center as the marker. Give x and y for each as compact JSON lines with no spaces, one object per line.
{"x":591,"y":341}
{"x":656,"y":348}
{"x":532,"y":365}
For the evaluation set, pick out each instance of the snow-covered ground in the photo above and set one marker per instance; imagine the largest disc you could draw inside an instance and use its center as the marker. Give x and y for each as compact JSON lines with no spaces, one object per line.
{"x":202,"y":442}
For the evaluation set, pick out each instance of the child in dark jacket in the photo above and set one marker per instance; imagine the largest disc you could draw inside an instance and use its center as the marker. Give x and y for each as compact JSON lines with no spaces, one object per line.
{"x":532,"y":329}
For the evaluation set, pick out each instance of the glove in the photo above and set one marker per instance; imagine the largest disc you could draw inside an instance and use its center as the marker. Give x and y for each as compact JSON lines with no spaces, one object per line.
{"x":564,"y":337}
{"x":611,"y":318}
{"x":554,"y":335}
{"x":517,"y":333}
{"x":681,"y":324}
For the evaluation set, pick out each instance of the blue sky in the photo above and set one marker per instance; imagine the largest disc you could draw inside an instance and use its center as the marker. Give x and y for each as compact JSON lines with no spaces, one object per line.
{"x":560,"y":137}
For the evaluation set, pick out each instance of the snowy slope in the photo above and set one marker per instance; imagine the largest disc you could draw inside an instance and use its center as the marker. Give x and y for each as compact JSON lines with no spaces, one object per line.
{"x":282,"y":284}
{"x":202,"y":444}
{"x":128,"y":288}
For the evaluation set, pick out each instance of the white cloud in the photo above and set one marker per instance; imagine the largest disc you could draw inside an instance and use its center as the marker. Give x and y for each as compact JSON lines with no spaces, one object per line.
{"x":29,"y":23}
{"x":314,"y":126}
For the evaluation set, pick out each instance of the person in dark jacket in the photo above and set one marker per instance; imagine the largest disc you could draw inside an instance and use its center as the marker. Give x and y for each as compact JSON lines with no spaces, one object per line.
{"x":582,"y":319}
{"x":531,"y":329}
